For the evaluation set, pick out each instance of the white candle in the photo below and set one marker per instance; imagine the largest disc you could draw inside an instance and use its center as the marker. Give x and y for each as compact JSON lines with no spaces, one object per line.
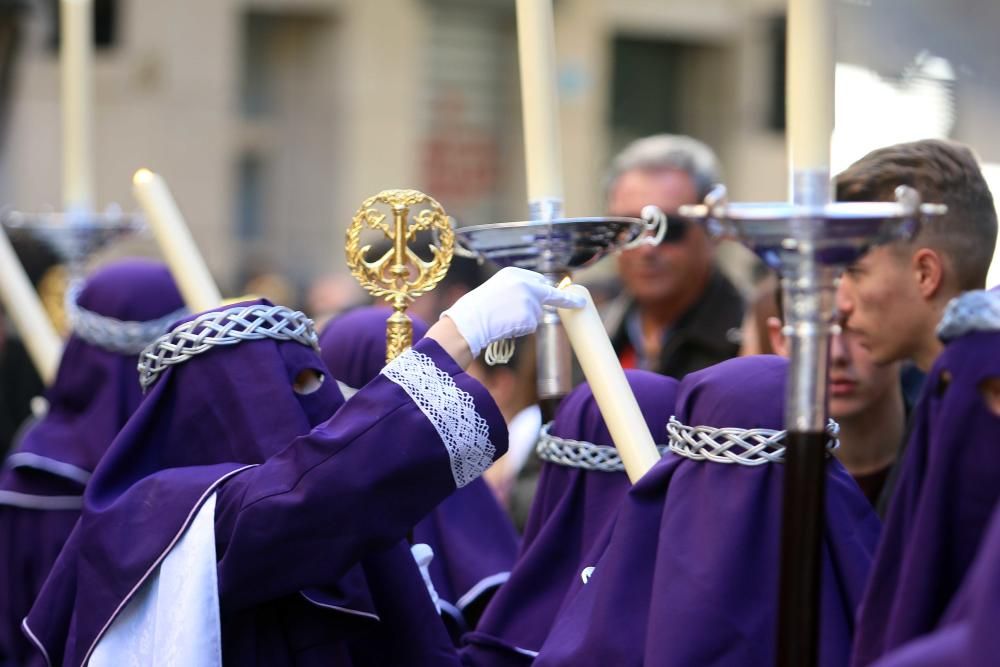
{"x":611,"y":390}
{"x":175,"y":241}
{"x":77,"y":67}
{"x":809,"y":92}
{"x":24,"y":308}
{"x":539,"y":99}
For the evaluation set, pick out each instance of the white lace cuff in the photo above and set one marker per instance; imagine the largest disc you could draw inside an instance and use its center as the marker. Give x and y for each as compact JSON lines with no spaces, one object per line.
{"x":450,"y":409}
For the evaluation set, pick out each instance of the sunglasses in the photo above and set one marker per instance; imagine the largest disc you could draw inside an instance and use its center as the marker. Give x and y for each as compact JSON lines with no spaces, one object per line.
{"x":677,"y":229}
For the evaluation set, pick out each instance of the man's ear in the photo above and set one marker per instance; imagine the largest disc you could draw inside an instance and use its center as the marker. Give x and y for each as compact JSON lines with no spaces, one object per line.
{"x":778,"y":342}
{"x":928,"y":269}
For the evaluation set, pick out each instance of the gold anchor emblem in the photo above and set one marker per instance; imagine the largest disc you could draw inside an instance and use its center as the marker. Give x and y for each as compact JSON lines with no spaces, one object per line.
{"x":400,"y":275}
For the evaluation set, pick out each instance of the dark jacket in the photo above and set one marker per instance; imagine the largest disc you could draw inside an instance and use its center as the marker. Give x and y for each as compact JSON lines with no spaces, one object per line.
{"x":705,"y":335}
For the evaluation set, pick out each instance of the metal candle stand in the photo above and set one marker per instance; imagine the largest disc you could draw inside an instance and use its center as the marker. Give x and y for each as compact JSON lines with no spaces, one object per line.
{"x":555,"y":246}
{"x":74,"y":236}
{"x":809,"y":242}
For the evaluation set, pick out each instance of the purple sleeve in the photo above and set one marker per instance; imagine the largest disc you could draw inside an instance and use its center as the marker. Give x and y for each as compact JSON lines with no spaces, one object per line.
{"x":358,"y":482}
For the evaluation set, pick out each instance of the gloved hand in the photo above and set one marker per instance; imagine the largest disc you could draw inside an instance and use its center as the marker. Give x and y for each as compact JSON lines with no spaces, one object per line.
{"x":507,"y":305}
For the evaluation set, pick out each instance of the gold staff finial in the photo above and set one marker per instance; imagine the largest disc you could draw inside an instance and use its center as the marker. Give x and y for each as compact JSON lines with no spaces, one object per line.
{"x":400,"y":275}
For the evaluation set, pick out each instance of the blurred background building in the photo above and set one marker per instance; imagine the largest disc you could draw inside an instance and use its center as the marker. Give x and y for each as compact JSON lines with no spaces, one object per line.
{"x":273,"y":119}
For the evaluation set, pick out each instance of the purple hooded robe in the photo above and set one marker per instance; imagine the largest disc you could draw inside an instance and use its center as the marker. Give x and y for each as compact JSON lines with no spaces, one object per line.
{"x":948,"y":487}
{"x":301,"y":498}
{"x":122,"y":307}
{"x":690,"y":575}
{"x":572,"y":512}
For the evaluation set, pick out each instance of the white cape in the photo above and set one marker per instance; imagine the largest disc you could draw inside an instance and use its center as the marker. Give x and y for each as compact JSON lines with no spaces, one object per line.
{"x":173,"y":619}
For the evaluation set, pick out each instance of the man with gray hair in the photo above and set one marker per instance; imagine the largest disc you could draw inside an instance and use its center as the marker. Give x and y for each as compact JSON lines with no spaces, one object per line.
{"x":677,"y":313}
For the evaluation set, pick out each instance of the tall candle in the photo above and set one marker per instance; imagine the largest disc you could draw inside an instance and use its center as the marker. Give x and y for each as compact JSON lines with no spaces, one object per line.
{"x":24,"y":308}
{"x":539,"y":99}
{"x":174,"y":238}
{"x":76,"y":57}
{"x":611,"y":390}
{"x":809,"y":94}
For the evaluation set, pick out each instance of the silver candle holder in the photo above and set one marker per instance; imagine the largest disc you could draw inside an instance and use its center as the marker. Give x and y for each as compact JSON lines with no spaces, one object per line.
{"x":809,"y":242}
{"x":74,"y":236}
{"x":555,"y":247}
{"x":809,"y":245}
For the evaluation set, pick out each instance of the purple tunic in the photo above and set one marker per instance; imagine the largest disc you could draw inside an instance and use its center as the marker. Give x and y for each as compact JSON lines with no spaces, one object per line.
{"x":948,"y":489}
{"x":573,"y":510}
{"x":30,"y":540}
{"x":690,"y":575}
{"x":967,"y":635}
{"x":474,"y":541}
{"x":95,"y":392}
{"x":296,"y":509}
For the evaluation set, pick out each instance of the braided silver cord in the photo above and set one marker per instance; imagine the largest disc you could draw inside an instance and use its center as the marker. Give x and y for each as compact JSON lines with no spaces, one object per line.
{"x":746,"y":447}
{"x":978,"y":310}
{"x":119,"y":336}
{"x":579,"y":454}
{"x":224,"y":327}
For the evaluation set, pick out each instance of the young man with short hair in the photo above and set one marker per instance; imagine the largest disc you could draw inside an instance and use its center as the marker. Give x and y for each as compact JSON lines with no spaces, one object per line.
{"x":893,"y":297}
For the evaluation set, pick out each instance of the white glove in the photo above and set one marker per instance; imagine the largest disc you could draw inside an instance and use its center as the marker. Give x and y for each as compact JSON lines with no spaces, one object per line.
{"x":507,"y":305}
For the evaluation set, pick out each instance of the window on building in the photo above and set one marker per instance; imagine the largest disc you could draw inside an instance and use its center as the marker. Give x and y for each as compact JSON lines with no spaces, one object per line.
{"x":777,"y":35}
{"x":674,"y":86}
{"x":647,"y":76}
{"x":251,"y":198}
{"x":106,"y":34}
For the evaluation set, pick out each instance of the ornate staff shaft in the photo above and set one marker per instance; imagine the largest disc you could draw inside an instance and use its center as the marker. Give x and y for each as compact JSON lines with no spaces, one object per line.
{"x":808,"y":290}
{"x":399,"y":326}
{"x":400,"y":275}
